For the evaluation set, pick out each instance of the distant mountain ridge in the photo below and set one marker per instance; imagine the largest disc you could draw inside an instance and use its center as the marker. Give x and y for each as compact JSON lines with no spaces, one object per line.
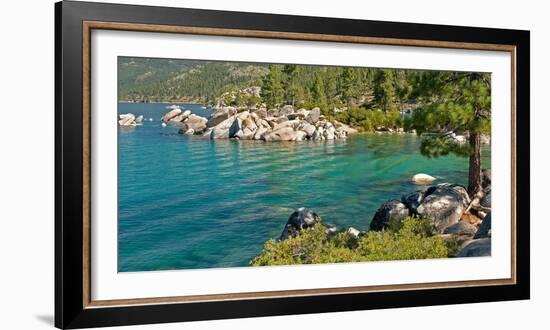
{"x":175,"y":80}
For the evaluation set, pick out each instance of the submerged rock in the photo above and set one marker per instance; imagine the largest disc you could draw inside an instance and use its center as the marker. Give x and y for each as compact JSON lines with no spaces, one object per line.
{"x":298,"y":220}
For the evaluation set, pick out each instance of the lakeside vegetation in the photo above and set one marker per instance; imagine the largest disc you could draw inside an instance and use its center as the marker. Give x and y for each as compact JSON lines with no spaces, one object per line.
{"x":449,"y":111}
{"x":409,"y":239}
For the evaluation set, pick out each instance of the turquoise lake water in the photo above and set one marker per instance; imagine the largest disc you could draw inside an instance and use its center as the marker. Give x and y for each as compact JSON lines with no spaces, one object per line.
{"x":188,"y":202}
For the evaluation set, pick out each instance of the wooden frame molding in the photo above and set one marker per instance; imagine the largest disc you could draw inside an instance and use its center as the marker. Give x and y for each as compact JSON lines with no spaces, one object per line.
{"x":89,"y":26}
{"x":178,"y":29}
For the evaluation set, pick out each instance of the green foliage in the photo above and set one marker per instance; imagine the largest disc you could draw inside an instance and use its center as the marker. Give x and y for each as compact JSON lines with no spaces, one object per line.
{"x":239,"y":98}
{"x":349,"y":88}
{"x":272,"y":86}
{"x":406,"y":244}
{"x":403,"y":85}
{"x":452,"y":101}
{"x":384,"y":90}
{"x":311,"y":246}
{"x":367,"y":119}
{"x":343,"y":239}
{"x":412,"y":238}
{"x":436,"y":146}
{"x":136,"y":73}
{"x":318,"y":95}
{"x":293,"y":89}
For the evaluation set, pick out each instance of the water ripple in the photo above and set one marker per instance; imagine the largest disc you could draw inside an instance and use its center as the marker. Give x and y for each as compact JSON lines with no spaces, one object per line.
{"x":190,"y":202}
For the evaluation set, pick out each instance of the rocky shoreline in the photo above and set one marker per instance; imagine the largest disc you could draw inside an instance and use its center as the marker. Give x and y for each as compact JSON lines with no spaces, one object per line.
{"x":284,"y":124}
{"x":446,"y":206}
{"x":277,"y":124}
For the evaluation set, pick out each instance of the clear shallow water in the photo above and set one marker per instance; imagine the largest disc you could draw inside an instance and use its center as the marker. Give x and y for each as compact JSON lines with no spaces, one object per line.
{"x":188,"y":202}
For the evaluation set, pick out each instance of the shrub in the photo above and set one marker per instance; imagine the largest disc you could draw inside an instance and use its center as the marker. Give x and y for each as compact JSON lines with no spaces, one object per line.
{"x":410,"y":242}
{"x":310,"y":246}
{"x":411,"y":239}
{"x":369,"y":119}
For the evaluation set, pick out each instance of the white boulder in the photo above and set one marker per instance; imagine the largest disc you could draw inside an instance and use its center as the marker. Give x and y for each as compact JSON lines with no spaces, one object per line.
{"x":422,"y":178}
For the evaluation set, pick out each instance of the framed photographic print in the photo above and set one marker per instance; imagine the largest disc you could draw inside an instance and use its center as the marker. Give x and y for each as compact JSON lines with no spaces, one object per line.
{"x":218,"y":164}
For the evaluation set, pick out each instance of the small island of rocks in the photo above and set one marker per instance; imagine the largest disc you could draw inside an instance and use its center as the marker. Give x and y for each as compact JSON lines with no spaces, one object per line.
{"x":284,"y":124}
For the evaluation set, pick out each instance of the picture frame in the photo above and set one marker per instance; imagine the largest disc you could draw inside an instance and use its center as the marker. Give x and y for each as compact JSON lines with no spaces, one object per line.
{"x":74,"y":304}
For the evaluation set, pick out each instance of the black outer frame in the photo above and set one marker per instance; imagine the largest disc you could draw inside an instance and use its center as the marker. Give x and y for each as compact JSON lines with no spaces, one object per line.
{"x":69,"y":308}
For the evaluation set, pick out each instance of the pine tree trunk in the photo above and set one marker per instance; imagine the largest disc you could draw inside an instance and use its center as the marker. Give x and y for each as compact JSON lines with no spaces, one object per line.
{"x":474,"y":175}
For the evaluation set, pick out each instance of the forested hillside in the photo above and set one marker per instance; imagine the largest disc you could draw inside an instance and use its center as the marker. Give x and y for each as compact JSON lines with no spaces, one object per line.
{"x":153,"y":80}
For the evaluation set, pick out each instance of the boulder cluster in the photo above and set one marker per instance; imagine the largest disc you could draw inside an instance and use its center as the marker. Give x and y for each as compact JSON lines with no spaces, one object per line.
{"x":191,"y":123}
{"x":129,"y":119}
{"x":443,"y":204}
{"x":446,"y":206}
{"x":284,"y":124}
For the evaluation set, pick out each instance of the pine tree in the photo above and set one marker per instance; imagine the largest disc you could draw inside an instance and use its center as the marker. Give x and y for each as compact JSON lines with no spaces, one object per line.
{"x":384,"y":90}
{"x":403,"y":89}
{"x":348,"y":84}
{"x":454,"y":101}
{"x":318,"y":93}
{"x":331,"y":75}
{"x":272,"y":87}
{"x":293,"y":89}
